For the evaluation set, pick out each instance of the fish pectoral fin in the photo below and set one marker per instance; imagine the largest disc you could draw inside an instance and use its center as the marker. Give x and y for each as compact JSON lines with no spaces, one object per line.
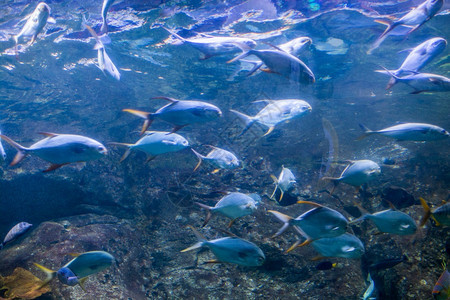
{"x":269,"y":131}
{"x":319,"y":257}
{"x":48,"y":134}
{"x":215,"y":171}
{"x":54,"y":167}
{"x":231,"y":223}
{"x":213,"y":261}
{"x":81,"y":283}
{"x":267,"y":70}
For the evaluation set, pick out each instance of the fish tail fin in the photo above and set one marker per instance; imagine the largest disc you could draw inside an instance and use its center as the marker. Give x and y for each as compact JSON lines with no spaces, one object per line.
{"x":199,"y":244}
{"x":392,"y":73}
{"x":144,"y":115}
{"x":247,"y":120}
{"x":208,"y":215}
{"x":127,"y":152}
{"x":427,"y":212}
{"x":246,"y":53}
{"x":200,"y":159}
{"x":21,"y":150}
{"x":283,"y":218}
{"x":174,"y":34}
{"x":366,"y":133}
{"x":50,"y":275}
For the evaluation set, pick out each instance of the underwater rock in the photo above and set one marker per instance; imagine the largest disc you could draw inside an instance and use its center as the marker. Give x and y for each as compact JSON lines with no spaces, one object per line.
{"x":399,"y":197}
{"x":21,"y":284}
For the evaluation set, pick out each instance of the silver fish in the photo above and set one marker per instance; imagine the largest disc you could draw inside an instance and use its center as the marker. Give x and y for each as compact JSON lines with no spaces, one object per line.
{"x":231,"y":250}
{"x":155,"y":143}
{"x":418,"y":58}
{"x":345,"y":245}
{"x":219,"y":158}
{"x":104,"y":62}
{"x":15,"y":232}
{"x":80,"y":268}
{"x":415,"y":18}
{"x":216,"y":45}
{"x":391,"y":221}
{"x":35,"y":22}
{"x":275,"y":112}
{"x":2,"y":150}
{"x":284,"y":182}
{"x":319,"y":222}
{"x":294,"y":47}
{"x":282,"y":63}
{"x":425,"y":82}
{"x":59,"y":149}
{"x":233,"y":206}
{"x":410,"y":132}
{"x":180,"y":113}
{"x":105,"y":7}
{"x":357,"y":173}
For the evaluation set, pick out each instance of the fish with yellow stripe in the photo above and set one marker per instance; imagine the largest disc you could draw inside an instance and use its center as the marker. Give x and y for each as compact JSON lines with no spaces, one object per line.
{"x":440,"y":215}
{"x":80,"y":268}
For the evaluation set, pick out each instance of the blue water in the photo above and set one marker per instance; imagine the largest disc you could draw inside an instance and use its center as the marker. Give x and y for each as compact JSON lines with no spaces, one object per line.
{"x":138,"y":211}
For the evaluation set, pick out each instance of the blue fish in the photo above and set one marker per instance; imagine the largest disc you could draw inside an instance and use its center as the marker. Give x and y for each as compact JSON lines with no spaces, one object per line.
{"x":418,"y":58}
{"x":2,"y":150}
{"x":441,"y":290}
{"x":180,"y":113}
{"x":59,"y":149}
{"x":319,"y":222}
{"x":409,"y":132}
{"x":391,"y":221}
{"x":80,"y":268}
{"x":219,"y":158}
{"x":345,"y":246}
{"x":154,"y":143}
{"x":357,"y":173}
{"x":233,"y":206}
{"x":35,"y":22}
{"x":284,"y":182}
{"x":424,"y":82}
{"x":440,"y":215}
{"x":230,"y":250}
{"x":15,"y":232}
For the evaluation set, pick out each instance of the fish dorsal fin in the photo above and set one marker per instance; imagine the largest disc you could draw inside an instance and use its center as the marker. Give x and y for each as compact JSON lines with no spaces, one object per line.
{"x":391,"y":205}
{"x":310,"y":203}
{"x":81,"y":283}
{"x":74,"y":254}
{"x":48,"y":134}
{"x":172,"y":100}
{"x":273,"y":46}
{"x":225,"y":232}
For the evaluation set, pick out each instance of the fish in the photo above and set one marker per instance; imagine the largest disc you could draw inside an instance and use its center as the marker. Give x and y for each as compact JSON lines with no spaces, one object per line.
{"x":391,"y":221}
{"x":357,"y":173}
{"x":441,"y":290}
{"x":180,"y":113}
{"x":15,"y":232}
{"x":105,"y":7}
{"x":415,"y":18}
{"x":418,"y":58}
{"x":409,"y":132}
{"x":284,"y":182}
{"x":59,"y":149}
{"x":371,"y":289}
{"x":2,"y":150}
{"x":319,"y":222}
{"x":219,"y":158}
{"x":424,"y":82}
{"x":80,"y":268}
{"x":233,"y":206}
{"x":294,"y":47}
{"x":440,"y":215}
{"x":325,"y":265}
{"x":105,"y":63}
{"x":345,"y":246}
{"x":280,"y":62}
{"x":230,"y":250}
{"x":275,"y":112}
{"x":154,"y":143}
{"x":35,"y":23}
{"x":216,"y":45}
{"x":386,"y":263}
